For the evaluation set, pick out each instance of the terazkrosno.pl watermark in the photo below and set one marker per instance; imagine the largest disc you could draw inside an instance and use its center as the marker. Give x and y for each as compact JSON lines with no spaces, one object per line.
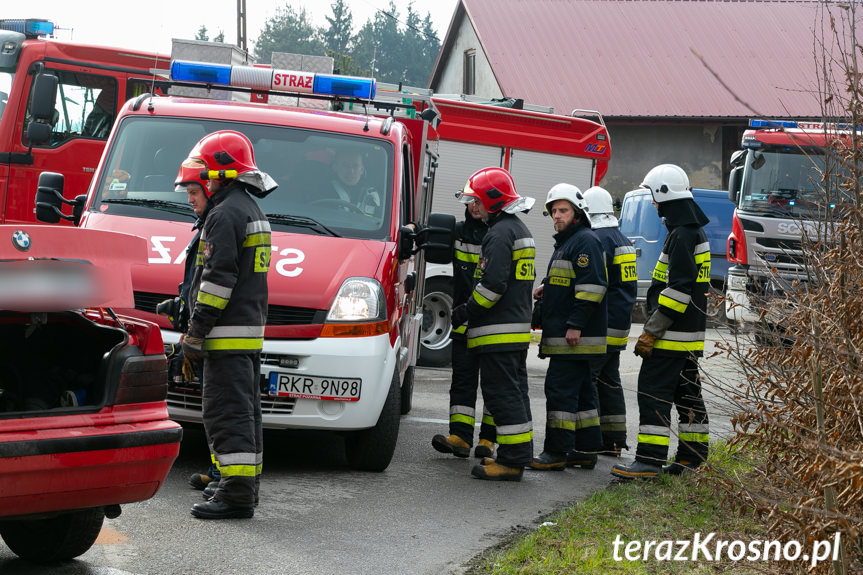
{"x":708,"y":548}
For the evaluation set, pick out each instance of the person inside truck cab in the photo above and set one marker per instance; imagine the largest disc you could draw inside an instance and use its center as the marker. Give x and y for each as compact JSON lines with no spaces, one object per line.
{"x":347,"y":182}
{"x":101,"y":118}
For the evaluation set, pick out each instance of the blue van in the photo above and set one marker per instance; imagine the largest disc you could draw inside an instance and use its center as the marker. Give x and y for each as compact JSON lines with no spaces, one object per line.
{"x":643,"y":226}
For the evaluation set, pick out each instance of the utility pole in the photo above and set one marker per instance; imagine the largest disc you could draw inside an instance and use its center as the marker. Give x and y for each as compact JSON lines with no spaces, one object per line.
{"x":241,"y":25}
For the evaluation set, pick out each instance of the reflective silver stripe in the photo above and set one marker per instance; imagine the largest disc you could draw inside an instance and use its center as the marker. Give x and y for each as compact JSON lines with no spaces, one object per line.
{"x":216,"y":290}
{"x":677,"y":295}
{"x":245,"y":331}
{"x":257,"y":227}
{"x":462,"y":410}
{"x":238,"y":459}
{"x":561,"y":341}
{"x":654,"y":430}
{"x":467,"y":248}
{"x":683,"y":336}
{"x":693,"y":428}
{"x":498,"y":328}
{"x":618,"y":332}
{"x":591,"y":288}
{"x":589,"y":414}
{"x":515,"y":429}
{"x":523,"y":243}
{"x":663,"y":258}
{"x":613,"y":418}
{"x":701,"y":248}
{"x":624,"y":250}
{"x":563,"y":415}
{"x":561,"y":265}
{"x":487,"y":293}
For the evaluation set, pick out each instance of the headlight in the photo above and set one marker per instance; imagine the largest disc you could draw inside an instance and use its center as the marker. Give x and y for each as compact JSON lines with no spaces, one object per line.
{"x":359,"y":299}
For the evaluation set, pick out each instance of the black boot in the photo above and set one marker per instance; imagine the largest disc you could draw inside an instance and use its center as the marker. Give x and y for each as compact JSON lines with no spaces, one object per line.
{"x":581,"y":459}
{"x":549,"y":461}
{"x":636,"y":470}
{"x":213,"y":509}
{"x":210,"y":489}
{"x":681,"y":467}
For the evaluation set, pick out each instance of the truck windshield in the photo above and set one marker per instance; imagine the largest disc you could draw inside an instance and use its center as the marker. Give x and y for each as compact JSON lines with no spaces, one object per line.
{"x":786,"y":182}
{"x":5,"y":88}
{"x":328,"y":183}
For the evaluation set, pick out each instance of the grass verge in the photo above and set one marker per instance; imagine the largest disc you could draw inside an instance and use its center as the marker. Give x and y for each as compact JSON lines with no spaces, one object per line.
{"x":581,"y":539}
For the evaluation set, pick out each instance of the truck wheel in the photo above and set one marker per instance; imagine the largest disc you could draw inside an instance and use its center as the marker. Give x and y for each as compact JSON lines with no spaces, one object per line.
{"x":54,"y":539}
{"x":434,"y":335}
{"x":407,"y":395}
{"x":372,"y":449}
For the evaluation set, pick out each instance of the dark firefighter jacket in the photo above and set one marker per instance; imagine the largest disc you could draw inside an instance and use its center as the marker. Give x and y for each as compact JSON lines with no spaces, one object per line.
{"x":229,"y":289}
{"x":499,"y":307}
{"x":573,"y":295}
{"x":622,"y":285}
{"x":469,"y":235}
{"x":681,"y":279}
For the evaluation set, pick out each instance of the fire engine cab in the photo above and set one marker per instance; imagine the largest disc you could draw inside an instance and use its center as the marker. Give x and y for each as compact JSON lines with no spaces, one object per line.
{"x":346,"y":271}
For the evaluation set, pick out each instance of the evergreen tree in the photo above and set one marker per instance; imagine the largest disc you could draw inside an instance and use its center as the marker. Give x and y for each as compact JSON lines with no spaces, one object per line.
{"x":202,"y":34}
{"x":289,"y":31}
{"x":337,"y":37}
{"x":220,"y":37}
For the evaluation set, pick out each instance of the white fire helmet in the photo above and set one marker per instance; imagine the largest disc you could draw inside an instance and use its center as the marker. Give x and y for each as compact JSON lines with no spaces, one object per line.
{"x":667,"y":183}
{"x":570,"y":193}
{"x":601,"y":208}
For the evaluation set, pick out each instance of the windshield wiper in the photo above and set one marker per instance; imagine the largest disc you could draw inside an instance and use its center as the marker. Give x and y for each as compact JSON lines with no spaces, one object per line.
{"x":175,"y":207}
{"x":303,"y":222}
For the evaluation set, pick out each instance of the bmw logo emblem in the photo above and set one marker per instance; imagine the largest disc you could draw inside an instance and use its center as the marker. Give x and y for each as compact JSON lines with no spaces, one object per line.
{"x":21,"y":240}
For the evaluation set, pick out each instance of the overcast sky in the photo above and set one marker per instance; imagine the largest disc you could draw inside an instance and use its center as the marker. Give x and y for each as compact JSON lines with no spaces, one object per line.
{"x":150,"y":24}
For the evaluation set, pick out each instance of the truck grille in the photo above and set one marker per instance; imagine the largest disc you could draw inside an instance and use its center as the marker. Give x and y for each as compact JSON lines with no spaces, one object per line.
{"x":777,"y":244}
{"x":188,"y":398}
{"x":276,"y":314}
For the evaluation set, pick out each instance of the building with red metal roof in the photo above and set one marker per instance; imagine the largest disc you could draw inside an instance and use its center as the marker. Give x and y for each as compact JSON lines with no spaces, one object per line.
{"x":675,"y":80}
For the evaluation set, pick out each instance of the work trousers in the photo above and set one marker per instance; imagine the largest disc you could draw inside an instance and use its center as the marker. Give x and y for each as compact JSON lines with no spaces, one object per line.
{"x":462,"y":396}
{"x":612,"y":407}
{"x":503,"y":380}
{"x":572,"y":420}
{"x":232,"y":420}
{"x":664,"y":380}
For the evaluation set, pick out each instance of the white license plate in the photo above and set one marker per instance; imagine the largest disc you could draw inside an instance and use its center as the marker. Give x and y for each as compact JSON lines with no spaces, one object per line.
{"x":314,"y":387}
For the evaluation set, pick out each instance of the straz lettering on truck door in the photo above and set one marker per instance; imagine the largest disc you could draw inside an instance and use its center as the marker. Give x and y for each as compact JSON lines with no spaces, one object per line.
{"x":287,"y":261}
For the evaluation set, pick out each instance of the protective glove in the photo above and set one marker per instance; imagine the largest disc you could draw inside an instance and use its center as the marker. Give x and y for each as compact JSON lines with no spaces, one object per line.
{"x":536,"y":317}
{"x":644,"y":345}
{"x":193,"y":347}
{"x":188,"y":370}
{"x":459,"y":315}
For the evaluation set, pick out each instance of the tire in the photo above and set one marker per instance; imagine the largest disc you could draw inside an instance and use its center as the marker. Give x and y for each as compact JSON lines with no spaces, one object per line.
{"x":435,"y":343}
{"x":407,"y":394}
{"x":57,"y":538}
{"x":372,"y":449}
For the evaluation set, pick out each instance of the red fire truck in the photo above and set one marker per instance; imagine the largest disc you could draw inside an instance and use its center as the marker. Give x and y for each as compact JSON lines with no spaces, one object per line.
{"x":345,"y":280}
{"x":65,"y":134}
{"x":784,"y":195}
{"x":539,"y":148}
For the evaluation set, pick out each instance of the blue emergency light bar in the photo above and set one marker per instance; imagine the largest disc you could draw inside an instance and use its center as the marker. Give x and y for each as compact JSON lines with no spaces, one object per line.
{"x":772,"y":124}
{"x":274,"y":80}
{"x":30,"y":27}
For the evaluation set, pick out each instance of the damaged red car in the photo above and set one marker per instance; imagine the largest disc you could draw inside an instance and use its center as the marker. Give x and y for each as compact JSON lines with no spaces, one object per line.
{"x":84,"y":425}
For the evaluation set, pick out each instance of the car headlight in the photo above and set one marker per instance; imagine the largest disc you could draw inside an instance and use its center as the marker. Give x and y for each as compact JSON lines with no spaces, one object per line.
{"x":359,"y":299}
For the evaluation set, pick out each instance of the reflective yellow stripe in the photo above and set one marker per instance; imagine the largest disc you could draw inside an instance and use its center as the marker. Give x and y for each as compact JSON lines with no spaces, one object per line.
{"x":653,"y":439}
{"x":660,"y":271}
{"x":461,"y":418}
{"x":588,"y":422}
{"x":487,"y":419}
{"x":613,"y":426}
{"x":460,"y":329}
{"x":465,"y":257}
{"x":573,"y":349}
{"x":259,"y":239}
{"x":239,"y":470}
{"x":672,"y":304}
{"x":699,"y":437}
{"x":502,"y":338}
{"x":617,"y":340}
{"x":224,"y":344}
{"x":212,"y":300}
{"x":589,"y":296}
{"x":679,"y":345}
{"x":623,"y":258}
{"x":526,"y":253}
{"x":513,"y":439}
{"x":482,"y":300}
{"x":561,"y":424}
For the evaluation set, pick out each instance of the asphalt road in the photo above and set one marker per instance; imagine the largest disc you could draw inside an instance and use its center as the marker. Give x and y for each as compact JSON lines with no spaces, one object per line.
{"x":425,"y":515}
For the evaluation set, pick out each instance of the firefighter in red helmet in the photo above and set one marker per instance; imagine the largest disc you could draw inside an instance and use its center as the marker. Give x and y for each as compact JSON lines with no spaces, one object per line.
{"x":498,"y":315}
{"x":228,"y":300}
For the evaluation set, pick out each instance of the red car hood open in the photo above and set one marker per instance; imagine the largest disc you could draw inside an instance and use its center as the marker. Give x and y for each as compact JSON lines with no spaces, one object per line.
{"x":55,"y":268}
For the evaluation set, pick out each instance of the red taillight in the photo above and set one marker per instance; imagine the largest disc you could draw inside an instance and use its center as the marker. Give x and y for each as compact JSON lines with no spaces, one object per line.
{"x":143,"y":378}
{"x":737,"y":242}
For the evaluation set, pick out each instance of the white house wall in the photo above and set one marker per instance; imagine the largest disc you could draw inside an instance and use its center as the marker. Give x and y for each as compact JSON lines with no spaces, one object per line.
{"x":452,"y":77}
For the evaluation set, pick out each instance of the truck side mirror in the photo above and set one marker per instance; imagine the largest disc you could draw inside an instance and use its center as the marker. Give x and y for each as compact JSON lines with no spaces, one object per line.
{"x":44,"y":95}
{"x":438,"y":238}
{"x":734,"y":179}
{"x":49,"y":200}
